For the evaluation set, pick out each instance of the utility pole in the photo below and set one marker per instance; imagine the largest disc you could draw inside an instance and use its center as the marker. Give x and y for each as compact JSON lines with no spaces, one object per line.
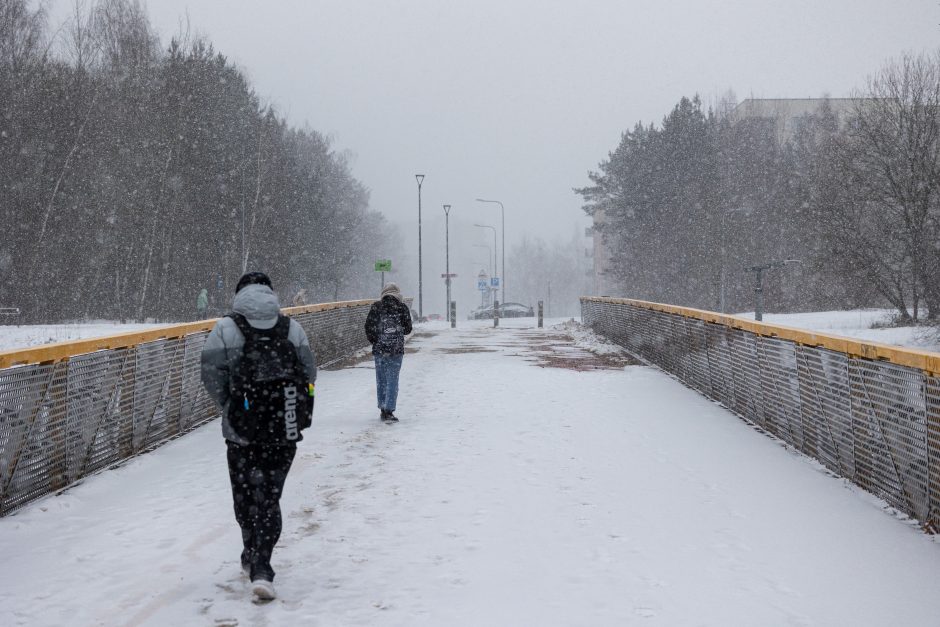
{"x":447,"y":254}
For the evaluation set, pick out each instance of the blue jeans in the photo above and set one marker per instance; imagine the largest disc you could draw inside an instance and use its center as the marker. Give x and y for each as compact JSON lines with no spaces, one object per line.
{"x":387,"y":368}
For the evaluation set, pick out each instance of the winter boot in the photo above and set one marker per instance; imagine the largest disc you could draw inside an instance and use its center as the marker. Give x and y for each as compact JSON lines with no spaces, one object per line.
{"x":389,"y":416}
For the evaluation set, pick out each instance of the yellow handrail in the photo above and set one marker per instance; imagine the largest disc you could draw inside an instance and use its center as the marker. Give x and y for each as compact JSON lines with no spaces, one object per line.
{"x":62,"y":351}
{"x":926,"y":361}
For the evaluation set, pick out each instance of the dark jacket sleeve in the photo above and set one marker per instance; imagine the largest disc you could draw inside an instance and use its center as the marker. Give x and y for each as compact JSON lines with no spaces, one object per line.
{"x":406,"y":319}
{"x":372,"y":324}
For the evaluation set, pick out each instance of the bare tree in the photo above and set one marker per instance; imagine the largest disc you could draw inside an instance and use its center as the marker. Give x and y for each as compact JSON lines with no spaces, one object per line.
{"x":22,"y":33}
{"x":79,"y":43}
{"x":888,"y":168}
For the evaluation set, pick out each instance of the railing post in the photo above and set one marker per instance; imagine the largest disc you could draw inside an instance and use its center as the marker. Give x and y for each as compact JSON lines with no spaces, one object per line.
{"x":495,"y":313}
{"x":540,"y":314}
{"x":453,"y":314}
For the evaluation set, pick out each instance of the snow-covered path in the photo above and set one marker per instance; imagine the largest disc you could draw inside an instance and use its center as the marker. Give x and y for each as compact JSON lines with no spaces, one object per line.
{"x":524,"y":485}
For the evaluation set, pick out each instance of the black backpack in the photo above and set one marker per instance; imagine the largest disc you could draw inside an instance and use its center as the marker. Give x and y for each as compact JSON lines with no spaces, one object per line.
{"x":269,"y":398}
{"x":391,"y":334}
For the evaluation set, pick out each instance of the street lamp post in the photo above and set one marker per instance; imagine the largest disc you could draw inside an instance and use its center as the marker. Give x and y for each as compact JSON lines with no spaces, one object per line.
{"x":759,"y":283}
{"x":502,"y":211}
{"x":420,"y":179}
{"x":447,"y":255}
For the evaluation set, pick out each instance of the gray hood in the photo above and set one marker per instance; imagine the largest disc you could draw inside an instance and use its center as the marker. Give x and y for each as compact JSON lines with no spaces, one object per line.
{"x":259,"y":304}
{"x":392,"y":290}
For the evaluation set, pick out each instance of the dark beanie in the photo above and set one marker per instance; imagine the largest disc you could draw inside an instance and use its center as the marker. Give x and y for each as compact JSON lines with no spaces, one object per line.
{"x":252,"y":278}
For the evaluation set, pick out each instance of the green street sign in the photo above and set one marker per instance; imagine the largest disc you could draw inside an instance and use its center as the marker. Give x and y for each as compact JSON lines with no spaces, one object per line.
{"x":383,"y":265}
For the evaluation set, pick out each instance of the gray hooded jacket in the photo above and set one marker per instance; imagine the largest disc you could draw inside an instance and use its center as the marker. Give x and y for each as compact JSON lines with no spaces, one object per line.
{"x":223,"y":347}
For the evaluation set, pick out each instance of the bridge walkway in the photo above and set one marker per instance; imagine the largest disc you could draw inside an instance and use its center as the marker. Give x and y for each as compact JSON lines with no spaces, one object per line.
{"x":536,"y":478}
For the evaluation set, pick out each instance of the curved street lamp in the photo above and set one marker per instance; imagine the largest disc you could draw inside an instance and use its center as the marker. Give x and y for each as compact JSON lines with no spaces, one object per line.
{"x":420,"y":179}
{"x":502,"y":211}
{"x":492,"y":228}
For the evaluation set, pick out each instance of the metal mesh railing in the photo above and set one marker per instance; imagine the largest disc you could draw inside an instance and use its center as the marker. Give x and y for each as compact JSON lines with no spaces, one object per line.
{"x":867,"y":412}
{"x":70,"y":409}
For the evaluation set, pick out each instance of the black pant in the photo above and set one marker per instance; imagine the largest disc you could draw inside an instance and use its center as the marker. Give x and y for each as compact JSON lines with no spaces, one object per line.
{"x":258,"y":472}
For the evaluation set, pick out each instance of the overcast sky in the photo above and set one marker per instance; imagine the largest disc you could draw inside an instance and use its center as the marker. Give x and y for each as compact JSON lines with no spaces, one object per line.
{"x":517,"y":100}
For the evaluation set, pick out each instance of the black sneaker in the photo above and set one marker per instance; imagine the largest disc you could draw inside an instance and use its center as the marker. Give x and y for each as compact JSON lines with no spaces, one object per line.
{"x":383,"y":415}
{"x":390,"y":417}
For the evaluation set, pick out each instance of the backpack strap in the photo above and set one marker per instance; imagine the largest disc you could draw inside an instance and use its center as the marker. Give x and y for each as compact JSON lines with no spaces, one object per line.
{"x":282,"y":328}
{"x":242,"y":323}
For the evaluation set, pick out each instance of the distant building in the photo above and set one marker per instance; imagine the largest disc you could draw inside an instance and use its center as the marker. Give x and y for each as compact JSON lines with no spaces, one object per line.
{"x":787,"y":114}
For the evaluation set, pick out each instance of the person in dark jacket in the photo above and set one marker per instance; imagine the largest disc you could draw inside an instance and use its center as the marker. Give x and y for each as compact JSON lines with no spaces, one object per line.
{"x":257,"y":470}
{"x":387,"y":324}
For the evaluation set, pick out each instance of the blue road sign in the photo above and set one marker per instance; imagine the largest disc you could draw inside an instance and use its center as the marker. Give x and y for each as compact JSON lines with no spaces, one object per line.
{"x":494,"y":282}
{"x":481,"y":285}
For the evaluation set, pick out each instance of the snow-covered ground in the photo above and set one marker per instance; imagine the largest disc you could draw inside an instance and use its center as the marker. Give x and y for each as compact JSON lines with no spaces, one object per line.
{"x":858,"y":324}
{"x":27,"y":335}
{"x":528,"y":483}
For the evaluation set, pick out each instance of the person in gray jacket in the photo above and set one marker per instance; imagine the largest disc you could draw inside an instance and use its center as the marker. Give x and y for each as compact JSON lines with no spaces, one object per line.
{"x":258,"y":466}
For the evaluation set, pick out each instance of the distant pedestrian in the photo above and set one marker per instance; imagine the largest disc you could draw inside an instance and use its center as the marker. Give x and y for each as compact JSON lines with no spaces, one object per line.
{"x":202,"y":303}
{"x":387,"y":324}
{"x":300,"y":298}
{"x":258,"y":366}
